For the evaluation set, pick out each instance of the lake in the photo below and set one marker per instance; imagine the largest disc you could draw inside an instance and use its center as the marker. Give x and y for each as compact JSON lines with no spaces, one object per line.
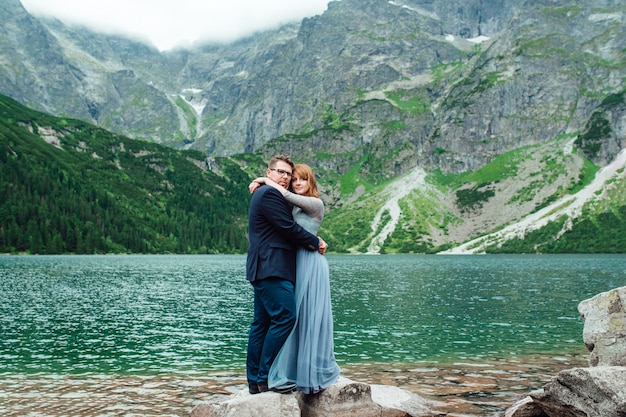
{"x":111,"y":317}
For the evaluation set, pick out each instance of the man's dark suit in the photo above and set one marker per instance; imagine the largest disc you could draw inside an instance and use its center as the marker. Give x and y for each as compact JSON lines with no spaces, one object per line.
{"x":271,"y":269}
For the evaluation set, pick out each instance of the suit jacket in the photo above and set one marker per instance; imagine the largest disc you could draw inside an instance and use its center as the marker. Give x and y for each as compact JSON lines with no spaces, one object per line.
{"x":273,"y":237}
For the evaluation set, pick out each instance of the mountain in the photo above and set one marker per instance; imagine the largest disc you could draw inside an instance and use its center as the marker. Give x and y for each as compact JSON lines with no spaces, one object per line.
{"x":69,"y":187}
{"x":429,"y":123}
{"x":498,"y":74}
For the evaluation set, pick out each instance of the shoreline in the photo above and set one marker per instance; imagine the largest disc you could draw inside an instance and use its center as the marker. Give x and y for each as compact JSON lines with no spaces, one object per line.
{"x":473,"y":388}
{"x":469,"y":388}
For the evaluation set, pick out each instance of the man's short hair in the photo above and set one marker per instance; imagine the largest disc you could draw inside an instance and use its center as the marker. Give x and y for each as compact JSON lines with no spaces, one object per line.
{"x":281,"y":157}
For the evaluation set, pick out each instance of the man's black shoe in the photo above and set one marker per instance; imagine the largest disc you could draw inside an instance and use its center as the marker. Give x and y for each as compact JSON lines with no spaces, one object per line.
{"x":258,"y":388}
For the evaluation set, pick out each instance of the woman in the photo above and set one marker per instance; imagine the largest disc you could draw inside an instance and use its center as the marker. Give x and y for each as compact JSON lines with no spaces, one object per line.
{"x":306,"y":360}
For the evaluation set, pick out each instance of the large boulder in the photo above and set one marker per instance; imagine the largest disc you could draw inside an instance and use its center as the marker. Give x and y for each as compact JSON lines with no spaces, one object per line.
{"x":580,"y":392}
{"x":604,"y":332}
{"x":592,"y":392}
{"x":345,"y":398}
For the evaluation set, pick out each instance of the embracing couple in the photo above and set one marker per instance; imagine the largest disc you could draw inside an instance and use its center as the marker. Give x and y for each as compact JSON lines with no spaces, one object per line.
{"x":290,"y":345}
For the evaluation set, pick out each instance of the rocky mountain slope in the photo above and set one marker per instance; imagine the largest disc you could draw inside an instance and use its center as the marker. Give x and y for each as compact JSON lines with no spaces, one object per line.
{"x":459,"y":82}
{"x":473,"y":102}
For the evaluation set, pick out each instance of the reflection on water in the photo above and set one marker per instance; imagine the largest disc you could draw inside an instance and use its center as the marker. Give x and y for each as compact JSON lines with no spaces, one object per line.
{"x":190,"y":314}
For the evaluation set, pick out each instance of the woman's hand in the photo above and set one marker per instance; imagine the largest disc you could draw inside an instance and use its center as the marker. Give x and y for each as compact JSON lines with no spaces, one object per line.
{"x":256,"y":183}
{"x":323,"y":247}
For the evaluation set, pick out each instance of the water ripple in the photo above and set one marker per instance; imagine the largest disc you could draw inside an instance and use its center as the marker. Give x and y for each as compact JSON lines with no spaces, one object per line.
{"x":139,"y":314}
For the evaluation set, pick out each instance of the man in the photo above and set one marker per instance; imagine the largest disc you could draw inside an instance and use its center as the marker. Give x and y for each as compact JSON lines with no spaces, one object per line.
{"x":271,"y":269}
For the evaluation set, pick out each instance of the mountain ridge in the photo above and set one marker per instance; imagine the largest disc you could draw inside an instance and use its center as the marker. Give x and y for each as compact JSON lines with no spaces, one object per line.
{"x":366,"y":92}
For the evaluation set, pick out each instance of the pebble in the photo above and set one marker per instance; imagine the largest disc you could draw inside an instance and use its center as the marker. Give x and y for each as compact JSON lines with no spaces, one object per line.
{"x":462,"y":389}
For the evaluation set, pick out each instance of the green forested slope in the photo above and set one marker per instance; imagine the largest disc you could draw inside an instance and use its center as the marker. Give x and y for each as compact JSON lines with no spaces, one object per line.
{"x":85,"y":190}
{"x":69,"y":187}
{"x":604,"y":233}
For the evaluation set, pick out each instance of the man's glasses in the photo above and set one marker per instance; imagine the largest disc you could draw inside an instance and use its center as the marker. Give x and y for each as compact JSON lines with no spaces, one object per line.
{"x":281,"y":172}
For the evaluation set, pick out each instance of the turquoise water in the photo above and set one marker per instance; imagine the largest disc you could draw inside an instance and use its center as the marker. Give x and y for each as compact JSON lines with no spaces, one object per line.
{"x":171,"y":314}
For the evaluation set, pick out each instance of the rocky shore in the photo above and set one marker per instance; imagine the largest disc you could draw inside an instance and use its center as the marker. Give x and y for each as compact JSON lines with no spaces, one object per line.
{"x":462,"y":389}
{"x":598,"y":390}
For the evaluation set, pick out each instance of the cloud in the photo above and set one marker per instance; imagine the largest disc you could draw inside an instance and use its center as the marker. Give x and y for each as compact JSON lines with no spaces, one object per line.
{"x":170,"y":23}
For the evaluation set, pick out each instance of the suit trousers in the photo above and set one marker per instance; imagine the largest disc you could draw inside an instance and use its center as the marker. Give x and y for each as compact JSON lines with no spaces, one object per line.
{"x":274,"y":318}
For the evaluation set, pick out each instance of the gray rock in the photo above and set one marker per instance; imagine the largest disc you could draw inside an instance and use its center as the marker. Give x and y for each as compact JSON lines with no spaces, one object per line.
{"x":394,"y":398}
{"x":525,"y":407}
{"x":345,"y":398}
{"x":242,"y":404}
{"x":604,"y":332}
{"x":591,"y":392}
